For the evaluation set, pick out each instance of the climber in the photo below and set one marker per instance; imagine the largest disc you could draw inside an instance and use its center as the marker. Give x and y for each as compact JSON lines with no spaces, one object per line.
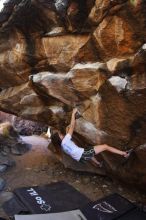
{"x":78,"y":153}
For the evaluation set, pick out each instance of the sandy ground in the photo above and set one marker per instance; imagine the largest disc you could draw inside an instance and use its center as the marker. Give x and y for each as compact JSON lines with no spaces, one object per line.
{"x":39,"y":166}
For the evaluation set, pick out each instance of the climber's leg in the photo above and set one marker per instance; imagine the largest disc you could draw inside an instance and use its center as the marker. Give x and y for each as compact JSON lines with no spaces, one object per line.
{"x":104,"y":147}
{"x":95,"y":162}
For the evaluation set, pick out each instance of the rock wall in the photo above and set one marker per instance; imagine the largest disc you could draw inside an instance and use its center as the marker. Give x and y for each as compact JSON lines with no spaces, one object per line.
{"x":55,"y":55}
{"x":10,"y":144}
{"x":24,"y":127}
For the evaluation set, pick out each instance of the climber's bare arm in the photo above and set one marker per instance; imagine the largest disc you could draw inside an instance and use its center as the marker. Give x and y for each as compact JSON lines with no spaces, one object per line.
{"x":67,"y":129}
{"x":72,"y":123}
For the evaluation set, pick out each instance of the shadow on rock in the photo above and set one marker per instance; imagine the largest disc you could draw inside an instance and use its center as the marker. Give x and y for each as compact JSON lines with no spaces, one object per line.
{"x":10,"y":143}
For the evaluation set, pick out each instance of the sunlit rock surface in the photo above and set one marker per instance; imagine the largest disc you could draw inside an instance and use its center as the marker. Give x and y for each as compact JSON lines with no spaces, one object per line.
{"x":55,"y":55}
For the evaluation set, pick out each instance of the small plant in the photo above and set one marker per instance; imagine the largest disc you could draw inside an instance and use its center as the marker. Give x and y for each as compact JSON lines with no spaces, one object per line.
{"x":7,"y":130}
{"x":4,"y":129}
{"x":134,"y":2}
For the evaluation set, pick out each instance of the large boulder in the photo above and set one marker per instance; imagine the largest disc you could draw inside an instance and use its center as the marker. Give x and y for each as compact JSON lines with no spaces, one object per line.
{"x":10,"y":143}
{"x":23,"y":126}
{"x":55,"y":55}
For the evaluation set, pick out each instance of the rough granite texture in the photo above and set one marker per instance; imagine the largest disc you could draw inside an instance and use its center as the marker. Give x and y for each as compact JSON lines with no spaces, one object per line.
{"x":55,"y":55}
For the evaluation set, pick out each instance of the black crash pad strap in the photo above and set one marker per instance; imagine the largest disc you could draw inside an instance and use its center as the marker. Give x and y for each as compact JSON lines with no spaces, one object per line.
{"x":14,"y":206}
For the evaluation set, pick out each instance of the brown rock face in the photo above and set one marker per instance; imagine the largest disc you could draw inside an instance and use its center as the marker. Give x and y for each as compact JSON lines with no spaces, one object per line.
{"x":55,"y":55}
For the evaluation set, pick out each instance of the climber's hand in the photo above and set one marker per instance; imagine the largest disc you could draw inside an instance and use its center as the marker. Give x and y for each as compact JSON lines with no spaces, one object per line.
{"x":75,"y":110}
